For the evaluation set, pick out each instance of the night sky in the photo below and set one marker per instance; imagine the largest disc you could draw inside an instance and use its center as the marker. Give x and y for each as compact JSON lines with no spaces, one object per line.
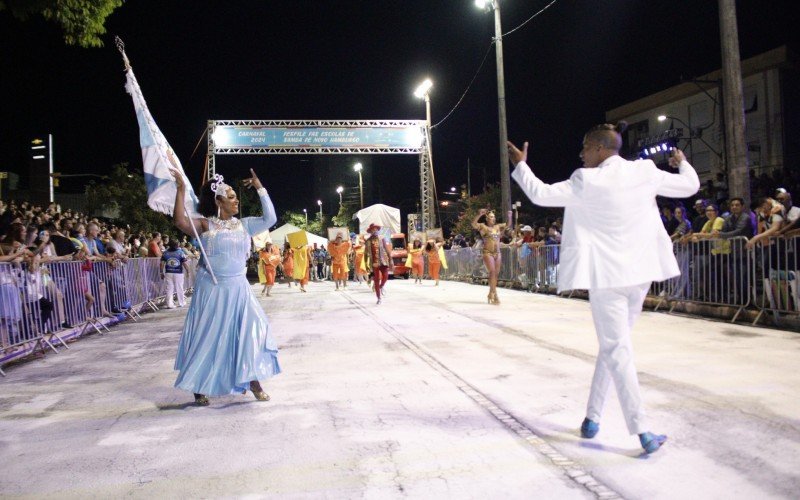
{"x":199,"y":60}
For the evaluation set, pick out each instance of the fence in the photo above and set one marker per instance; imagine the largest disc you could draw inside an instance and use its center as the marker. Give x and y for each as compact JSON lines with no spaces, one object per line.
{"x":714,"y":272}
{"x":40,"y":303}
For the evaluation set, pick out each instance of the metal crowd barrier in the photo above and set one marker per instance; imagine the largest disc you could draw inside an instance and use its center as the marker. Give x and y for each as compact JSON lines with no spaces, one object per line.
{"x":39,"y":303}
{"x":776,"y":285}
{"x":535,"y":269}
{"x":714,"y":272}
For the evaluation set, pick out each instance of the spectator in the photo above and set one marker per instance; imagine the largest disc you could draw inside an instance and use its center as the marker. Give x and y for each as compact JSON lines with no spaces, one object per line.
{"x":667,"y":217}
{"x":792,"y":213}
{"x":770,"y":223}
{"x":63,"y":245}
{"x":173,"y":263}
{"x":700,"y":219}
{"x":738,"y":224}
{"x":154,"y":248}
{"x":96,"y":246}
{"x":683,"y":226}
{"x":16,"y":236}
{"x":118,"y":243}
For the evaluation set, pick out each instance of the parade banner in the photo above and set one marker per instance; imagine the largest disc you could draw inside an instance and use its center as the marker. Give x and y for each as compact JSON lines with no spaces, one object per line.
{"x":257,"y":137}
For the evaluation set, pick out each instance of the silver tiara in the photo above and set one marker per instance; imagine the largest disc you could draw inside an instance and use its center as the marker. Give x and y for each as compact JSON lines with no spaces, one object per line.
{"x":218,"y":186}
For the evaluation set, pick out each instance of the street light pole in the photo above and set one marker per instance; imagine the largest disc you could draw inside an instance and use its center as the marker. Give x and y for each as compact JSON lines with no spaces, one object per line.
{"x":319,"y":202}
{"x":505,"y":179}
{"x":306,"y":214}
{"x":339,"y":190}
{"x":358,"y":167}
{"x":428,"y":215}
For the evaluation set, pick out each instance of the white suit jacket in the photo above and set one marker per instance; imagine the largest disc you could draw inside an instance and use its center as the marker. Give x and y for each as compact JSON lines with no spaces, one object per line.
{"x":612,"y":235}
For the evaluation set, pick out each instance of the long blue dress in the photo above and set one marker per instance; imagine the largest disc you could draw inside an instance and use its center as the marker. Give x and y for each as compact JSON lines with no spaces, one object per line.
{"x":226,"y":340}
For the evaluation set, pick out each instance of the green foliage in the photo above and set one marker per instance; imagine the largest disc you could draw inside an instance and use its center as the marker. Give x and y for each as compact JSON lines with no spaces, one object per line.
{"x":491,"y":198}
{"x":126,"y":192}
{"x":315,"y":224}
{"x":83,"y":21}
{"x":345,"y":217}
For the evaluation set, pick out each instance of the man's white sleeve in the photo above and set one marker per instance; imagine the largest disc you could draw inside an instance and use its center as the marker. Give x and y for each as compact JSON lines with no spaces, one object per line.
{"x":559,"y":194}
{"x":683,"y":184}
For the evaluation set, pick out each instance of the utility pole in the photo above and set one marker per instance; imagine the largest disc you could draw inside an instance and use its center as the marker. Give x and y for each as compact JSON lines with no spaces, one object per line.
{"x":736,"y":161}
{"x":505,"y":177}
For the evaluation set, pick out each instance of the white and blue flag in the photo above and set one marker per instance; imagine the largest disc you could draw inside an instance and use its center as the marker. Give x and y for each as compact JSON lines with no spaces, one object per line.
{"x":156,"y":152}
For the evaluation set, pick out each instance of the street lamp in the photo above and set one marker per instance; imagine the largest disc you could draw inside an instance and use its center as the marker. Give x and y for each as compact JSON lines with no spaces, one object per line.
{"x":358,"y":168}
{"x":516,"y":206}
{"x":339,"y":190}
{"x":423,"y":91}
{"x":505,"y":179}
{"x":319,"y":202}
{"x":305,"y":212}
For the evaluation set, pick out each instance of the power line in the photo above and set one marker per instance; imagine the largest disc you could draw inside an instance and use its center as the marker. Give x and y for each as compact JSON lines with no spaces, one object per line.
{"x":483,"y":61}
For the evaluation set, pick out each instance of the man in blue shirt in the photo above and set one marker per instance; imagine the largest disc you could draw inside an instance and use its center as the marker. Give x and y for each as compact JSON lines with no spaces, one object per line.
{"x":173,"y":262}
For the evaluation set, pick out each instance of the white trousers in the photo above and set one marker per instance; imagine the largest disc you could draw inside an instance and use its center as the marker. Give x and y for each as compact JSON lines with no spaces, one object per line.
{"x":614,"y":311}
{"x":174,"y":284}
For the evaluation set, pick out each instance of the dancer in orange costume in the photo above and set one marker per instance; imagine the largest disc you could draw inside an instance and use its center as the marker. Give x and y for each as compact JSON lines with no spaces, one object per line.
{"x":434,"y":259}
{"x":288,"y":263}
{"x":360,"y":268}
{"x":339,"y":249}
{"x":268,"y":259}
{"x":415,"y":260}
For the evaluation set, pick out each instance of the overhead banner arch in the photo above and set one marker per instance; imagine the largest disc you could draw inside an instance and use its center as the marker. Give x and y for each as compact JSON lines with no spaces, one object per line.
{"x":292,"y":137}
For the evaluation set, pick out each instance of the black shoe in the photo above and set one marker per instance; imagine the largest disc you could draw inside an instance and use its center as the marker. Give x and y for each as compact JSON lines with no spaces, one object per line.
{"x":201,"y":400}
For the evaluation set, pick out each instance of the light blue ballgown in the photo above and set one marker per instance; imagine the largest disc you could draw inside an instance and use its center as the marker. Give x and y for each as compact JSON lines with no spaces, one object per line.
{"x":226,"y":340}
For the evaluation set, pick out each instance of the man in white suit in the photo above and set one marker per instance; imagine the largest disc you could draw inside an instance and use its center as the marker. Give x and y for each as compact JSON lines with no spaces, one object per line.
{"x":611,"y":254}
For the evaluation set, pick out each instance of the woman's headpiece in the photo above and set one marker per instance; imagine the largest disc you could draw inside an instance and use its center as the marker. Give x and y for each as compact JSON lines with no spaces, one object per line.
{"x":218,"y":186}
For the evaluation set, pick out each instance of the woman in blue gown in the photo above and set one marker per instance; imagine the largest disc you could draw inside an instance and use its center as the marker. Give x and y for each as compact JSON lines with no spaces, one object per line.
{"x":226,"y":346}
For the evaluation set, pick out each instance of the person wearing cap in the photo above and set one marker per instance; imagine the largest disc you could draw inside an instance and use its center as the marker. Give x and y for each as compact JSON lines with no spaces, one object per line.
{"x":614,"y":256}
{"x":339,"y":250}
{"x":377,"y":257}
{"x":700,"y":219}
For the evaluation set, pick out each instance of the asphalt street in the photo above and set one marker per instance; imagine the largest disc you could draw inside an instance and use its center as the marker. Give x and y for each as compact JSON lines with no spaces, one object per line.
{"x":432,"y":394}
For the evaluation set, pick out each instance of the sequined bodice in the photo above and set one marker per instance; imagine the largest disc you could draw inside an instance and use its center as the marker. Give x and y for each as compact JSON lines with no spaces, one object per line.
{"x":227,"y":246}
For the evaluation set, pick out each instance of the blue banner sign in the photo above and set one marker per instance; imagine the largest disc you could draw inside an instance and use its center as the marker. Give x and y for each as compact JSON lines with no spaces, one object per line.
{"x":257,"y":137}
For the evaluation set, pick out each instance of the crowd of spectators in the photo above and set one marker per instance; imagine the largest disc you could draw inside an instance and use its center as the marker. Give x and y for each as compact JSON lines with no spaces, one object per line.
{"x":28,"y":230}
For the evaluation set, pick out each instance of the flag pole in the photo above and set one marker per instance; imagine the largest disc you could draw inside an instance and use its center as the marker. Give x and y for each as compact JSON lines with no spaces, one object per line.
{"x":128,"y":69}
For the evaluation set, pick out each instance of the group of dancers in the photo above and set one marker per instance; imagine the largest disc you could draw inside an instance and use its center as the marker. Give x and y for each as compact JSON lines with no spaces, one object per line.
{"x":344,"y":253}
{"x":227,"y":347}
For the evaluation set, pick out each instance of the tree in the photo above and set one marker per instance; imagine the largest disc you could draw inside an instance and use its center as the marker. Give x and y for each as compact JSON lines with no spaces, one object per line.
{"x":126,"y":192}
{"x":315,"y":225}
{"x":345,"y":216}
{"x":83,"y":21}
{"x":490,"y":198}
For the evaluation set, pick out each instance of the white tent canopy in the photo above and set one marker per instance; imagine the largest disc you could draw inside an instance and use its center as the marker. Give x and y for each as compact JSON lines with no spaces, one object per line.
{"x":383,"y":215}
{"x":279,"y":235}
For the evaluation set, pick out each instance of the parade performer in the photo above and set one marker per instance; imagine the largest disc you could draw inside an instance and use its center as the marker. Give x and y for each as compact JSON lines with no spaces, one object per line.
{"x":339,"y":250}
{"x":613,"y":255}
{"x":226,"y":346}
{"x":435,"y":253}
{"x":268,"y":260}
{"x":302,"y":264}
{"x":288,"y":263}
{"x":377,"y":257}
{"x":358,"y":264}
{"x":415,"y":260}
{"x":490,"y":233}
